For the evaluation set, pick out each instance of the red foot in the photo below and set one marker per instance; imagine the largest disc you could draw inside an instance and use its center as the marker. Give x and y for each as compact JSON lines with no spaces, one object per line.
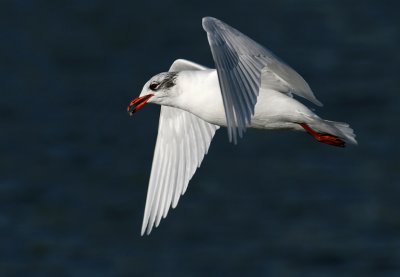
{"x":324,"y":138}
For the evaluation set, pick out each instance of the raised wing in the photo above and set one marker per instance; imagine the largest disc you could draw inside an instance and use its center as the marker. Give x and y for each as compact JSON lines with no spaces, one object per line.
{"x":183,"y":140}
{"x":241,"y":63}
{"x":182,"y":64}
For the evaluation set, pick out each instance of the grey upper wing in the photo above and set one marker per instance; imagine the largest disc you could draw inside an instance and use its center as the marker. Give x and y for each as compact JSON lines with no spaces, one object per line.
{"x":241,"y":64}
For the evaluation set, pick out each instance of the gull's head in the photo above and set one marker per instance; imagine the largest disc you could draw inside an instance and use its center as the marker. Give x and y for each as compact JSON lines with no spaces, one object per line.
{"x":160,"y":89}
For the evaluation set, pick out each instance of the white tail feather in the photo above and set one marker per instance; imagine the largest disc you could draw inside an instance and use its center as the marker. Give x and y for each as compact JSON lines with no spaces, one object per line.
{"x":339,"y":129}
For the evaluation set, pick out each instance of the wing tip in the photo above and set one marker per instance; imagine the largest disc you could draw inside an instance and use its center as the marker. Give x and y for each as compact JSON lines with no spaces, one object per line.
{"x":143,"y":231}
{"x":208,"y":22}
{"x":318,"y":103}
{"x":147,"y":226}
{"x":206,"y":19}
{"x":146,"y":230}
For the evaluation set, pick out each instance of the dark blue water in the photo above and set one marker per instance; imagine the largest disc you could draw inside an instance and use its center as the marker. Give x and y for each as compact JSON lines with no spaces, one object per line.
{"x":74,"y":166}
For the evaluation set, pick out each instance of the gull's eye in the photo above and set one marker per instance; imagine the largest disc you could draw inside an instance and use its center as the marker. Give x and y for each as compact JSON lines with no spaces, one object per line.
{"x":154,"y":86}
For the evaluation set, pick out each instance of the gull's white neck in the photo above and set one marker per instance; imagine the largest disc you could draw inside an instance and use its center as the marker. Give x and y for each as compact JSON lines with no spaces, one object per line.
{"x":200,"y":95}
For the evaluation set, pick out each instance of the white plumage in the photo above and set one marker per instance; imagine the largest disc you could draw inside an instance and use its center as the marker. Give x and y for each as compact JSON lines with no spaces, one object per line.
{"x":250,"y":88}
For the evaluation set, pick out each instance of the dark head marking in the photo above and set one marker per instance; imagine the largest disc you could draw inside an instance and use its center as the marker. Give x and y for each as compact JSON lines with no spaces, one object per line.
{"x":169,"y":80}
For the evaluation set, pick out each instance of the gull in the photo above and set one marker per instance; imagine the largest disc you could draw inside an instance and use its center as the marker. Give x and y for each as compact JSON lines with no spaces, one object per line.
{"x":250,"y":88}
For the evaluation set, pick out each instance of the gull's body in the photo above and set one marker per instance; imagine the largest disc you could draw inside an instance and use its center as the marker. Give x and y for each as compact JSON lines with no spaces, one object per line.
{"x":273,"y":110}
{"x":250,"y":88}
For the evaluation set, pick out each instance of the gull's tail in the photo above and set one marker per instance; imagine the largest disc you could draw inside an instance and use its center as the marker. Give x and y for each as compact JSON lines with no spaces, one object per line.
{"x":330,"y":132}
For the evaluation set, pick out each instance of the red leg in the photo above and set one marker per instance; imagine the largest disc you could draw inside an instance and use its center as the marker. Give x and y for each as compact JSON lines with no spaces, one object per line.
{"x":324,"y":138}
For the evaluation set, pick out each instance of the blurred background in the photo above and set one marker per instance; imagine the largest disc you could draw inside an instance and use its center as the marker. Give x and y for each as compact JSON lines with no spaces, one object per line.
{"x":74,"y":166}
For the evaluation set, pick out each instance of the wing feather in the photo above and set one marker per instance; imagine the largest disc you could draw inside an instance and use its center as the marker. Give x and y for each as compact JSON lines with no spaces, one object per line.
{"x":178,"y":153}
{"x":182,"y":141}
{"x":241,"y":64}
